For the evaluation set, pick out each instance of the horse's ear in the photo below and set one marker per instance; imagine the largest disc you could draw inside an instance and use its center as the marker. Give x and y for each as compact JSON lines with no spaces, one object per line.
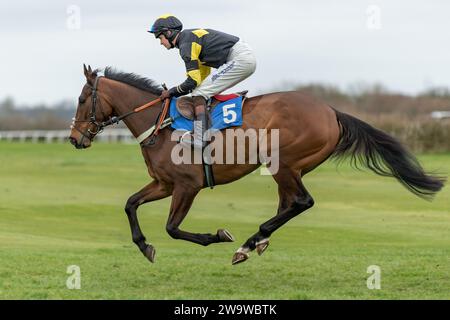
{"x":92,"y":72}
{"x":85,"y":70}
{"x":90,"y":75}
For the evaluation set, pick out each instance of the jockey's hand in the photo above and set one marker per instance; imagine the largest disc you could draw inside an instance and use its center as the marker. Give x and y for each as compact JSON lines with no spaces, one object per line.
{"x":164,"y":95}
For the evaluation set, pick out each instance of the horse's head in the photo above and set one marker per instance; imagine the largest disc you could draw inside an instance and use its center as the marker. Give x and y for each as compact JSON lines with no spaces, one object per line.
{"x":91,"y":112}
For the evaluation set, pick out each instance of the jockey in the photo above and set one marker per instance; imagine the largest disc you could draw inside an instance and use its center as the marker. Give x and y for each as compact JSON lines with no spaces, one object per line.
{"x":201,"y":50}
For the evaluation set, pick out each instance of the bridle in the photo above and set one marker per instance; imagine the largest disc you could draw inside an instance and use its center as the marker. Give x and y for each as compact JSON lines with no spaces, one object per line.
{"x":100,"y":126}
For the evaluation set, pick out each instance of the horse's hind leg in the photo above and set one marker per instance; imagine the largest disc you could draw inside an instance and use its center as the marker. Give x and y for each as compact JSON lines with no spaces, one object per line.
{"x":150,"y":192}
{"x":294,"y":199}
{"x":181,"y":203}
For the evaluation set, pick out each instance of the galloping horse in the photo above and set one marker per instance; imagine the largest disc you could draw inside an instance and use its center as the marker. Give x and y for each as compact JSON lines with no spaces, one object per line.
{"x":310,"y":132}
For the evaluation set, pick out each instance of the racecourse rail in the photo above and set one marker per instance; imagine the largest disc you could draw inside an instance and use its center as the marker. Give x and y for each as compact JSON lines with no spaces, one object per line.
{"x":61,"y":136}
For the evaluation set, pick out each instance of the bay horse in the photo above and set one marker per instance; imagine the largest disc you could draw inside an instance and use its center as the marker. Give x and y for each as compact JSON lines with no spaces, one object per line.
{"x":310,"y":132}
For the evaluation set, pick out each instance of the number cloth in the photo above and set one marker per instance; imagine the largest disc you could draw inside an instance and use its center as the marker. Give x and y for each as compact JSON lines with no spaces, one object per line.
{"x":225,"y":114}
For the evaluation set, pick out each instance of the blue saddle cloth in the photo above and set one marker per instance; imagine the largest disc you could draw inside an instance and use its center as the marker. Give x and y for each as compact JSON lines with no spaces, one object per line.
{"x":225,"y":114}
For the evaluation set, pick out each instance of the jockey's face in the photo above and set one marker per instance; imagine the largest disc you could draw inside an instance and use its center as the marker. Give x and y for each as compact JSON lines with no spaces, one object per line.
{"x":164,"y":42}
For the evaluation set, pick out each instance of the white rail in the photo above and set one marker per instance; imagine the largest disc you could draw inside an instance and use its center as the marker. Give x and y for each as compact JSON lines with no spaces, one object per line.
{"x":61,"y":136}
{"x":440,"y":114}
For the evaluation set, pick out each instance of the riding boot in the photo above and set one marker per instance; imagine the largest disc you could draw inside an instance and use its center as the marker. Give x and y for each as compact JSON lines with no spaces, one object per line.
{"x":200,"y":123}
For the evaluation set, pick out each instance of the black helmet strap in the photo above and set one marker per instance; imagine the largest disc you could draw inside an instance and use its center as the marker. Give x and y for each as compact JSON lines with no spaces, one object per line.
{"x":171,"y":38}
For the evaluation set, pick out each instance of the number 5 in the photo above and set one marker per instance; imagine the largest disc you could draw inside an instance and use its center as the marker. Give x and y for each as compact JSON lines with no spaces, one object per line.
{"x":227,"y":112}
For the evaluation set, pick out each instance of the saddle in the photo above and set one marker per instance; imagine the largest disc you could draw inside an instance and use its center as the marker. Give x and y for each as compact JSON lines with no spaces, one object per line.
{"x":185,"y":105}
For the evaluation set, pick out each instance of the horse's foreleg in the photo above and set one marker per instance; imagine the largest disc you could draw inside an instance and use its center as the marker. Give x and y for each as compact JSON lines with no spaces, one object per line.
{"x":150,"y":192}
{"x":294,"y":199}
{"x":181,"y":203}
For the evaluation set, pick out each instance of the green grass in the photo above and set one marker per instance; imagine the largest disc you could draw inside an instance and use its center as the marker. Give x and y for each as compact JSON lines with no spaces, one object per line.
{"x":60,"y":207}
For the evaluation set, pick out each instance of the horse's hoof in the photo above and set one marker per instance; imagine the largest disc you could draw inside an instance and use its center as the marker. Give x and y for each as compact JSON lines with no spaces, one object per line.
{"x":225,"y":236}
{"x":262,"y":246}
{"x":149,"y":253}
{"x":239,"y":257}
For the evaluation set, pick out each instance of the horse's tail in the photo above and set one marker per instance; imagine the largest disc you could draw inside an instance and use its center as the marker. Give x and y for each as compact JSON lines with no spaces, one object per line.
{"x":384,"y":155}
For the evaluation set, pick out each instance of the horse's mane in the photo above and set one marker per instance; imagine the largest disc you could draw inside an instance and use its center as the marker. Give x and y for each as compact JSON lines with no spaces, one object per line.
{"x":132,"y":79}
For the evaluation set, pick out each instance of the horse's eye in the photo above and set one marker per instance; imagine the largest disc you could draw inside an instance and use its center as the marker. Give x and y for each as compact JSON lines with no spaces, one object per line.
{"x":81,"y":100}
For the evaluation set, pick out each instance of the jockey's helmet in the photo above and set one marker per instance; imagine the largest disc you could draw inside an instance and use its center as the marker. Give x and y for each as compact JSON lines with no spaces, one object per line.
{"x":164,"y":24}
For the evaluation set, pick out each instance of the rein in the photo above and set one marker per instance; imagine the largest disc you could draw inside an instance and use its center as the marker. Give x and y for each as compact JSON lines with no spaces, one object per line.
{"x":100,"y":126}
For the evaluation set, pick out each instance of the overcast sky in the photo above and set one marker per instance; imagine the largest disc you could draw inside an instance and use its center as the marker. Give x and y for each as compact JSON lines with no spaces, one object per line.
{"x":401,"y":44}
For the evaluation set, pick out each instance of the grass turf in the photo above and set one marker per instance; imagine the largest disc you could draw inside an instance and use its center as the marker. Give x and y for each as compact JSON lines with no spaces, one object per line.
{"x":60,"y":207}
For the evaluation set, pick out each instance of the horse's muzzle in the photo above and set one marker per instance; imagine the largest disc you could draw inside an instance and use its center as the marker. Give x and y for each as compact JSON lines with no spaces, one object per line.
{"x":75,"y":143}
